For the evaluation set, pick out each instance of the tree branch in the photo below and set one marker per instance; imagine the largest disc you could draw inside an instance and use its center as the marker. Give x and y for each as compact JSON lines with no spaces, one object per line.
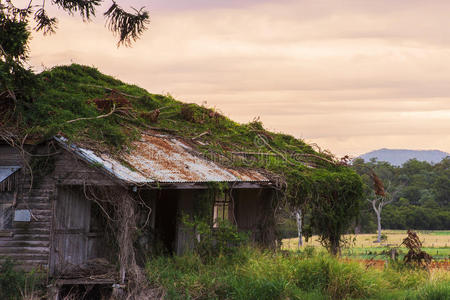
{"x":98,"y":117}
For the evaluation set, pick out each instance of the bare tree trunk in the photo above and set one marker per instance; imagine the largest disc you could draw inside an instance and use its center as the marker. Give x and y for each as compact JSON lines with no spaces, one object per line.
{"x":378,"y":213}
{"x":379,"y":225}
{"x":298,"y":216}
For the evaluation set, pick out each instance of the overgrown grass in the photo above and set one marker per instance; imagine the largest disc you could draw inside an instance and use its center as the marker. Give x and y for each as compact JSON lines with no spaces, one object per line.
{"x":255,"y":274}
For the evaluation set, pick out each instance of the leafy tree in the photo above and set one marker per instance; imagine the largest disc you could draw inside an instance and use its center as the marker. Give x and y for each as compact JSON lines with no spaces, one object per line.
{"x":423,"y":190}
{"x":334,"y":206}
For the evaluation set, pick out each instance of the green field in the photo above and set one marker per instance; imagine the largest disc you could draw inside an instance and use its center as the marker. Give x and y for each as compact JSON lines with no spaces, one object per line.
{"x":362,"y":246}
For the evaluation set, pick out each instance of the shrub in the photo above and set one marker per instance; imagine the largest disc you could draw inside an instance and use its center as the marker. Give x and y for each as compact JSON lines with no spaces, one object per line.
{"x":17,"y":284}
{"x":221,"y":240}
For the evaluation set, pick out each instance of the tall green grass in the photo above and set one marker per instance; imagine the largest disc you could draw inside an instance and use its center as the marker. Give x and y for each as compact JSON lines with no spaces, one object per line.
{"x":255,"y":274}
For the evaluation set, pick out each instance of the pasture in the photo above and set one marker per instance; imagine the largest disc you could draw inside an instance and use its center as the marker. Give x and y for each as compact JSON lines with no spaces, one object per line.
{"x":362,"y":246}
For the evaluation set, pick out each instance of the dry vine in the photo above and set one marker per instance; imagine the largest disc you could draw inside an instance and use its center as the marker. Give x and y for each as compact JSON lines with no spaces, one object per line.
{"x":120,"y":209}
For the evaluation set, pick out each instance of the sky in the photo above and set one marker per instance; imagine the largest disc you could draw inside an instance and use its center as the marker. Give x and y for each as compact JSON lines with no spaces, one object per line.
{"x":351,"y":76}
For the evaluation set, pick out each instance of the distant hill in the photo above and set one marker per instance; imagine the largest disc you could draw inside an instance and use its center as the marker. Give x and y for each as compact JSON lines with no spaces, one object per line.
{"x":399,"y":156}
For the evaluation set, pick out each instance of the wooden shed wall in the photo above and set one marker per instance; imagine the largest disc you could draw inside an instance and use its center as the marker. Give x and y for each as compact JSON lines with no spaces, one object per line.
{"x":29,"y":243}
{"x":253,"y":210}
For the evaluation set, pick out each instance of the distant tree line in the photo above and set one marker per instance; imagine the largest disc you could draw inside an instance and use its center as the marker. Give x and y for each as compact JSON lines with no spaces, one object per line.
{"x":421,"y":194}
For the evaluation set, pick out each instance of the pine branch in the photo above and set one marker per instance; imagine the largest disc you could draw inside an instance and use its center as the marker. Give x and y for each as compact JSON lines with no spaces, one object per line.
{"x":129,"y":27}
{"x":44,"y":22}
{"x":86,"y":8}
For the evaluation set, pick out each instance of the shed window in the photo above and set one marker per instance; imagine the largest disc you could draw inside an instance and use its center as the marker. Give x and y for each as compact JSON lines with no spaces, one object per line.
{"x":221,"y":210}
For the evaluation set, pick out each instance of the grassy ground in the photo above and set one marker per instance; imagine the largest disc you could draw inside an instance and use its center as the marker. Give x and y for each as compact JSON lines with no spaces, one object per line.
{"x":308,"y":274}
{"x":436,"y":243}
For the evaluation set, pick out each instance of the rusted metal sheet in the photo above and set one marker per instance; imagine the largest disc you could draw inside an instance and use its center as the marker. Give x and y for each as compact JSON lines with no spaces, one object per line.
{"x":105,"y":161}
{"x":6,"y":171}
{"x":164,"y":159}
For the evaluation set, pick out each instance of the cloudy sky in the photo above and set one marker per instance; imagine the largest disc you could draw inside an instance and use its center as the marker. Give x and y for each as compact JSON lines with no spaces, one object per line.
{"x":351,"y":76}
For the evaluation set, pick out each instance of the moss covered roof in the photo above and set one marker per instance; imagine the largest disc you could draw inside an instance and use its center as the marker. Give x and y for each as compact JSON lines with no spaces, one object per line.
{"x":99,"y":111}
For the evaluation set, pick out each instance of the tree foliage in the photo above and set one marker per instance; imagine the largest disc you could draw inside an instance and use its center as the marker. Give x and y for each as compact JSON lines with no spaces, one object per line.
{"x":334,"y":206}
{"x":422,"y":197}
{"x":128,"y":26}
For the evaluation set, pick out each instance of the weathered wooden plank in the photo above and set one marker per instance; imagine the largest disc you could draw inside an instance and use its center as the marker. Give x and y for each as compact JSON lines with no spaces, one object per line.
{"x":25,"y":244}
{"x":9,"y":156}
{"x":87,"y":182}
{"x":6,"y":234}
{"x":42,"y":215}
{"x":32,"y":205}
{"x":40,"y":198}
{"x":27,"y":261}
{"x":42,"y":218}
{"x":22,"y":257}
{"x":31,"y":237}
{"x":23,"y":250}
{"x":28,"y":227}
{"x":32,"y":230}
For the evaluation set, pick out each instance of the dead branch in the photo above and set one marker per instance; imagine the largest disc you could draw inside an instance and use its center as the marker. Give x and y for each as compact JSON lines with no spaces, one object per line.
{"x":316,"y":156}
{"x":200,"y":135}
{"x":111,"y":90}
{"x":97,"y":117}
{"x":93,"y":198}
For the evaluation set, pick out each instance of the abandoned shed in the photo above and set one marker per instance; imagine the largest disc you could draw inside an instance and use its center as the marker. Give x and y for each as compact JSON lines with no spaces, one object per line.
{"x":53,"y":217}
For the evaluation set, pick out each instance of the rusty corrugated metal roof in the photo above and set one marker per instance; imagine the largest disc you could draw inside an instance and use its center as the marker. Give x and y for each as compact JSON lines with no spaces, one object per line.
{"x":6,"y":171}
{"x":165,"y":159}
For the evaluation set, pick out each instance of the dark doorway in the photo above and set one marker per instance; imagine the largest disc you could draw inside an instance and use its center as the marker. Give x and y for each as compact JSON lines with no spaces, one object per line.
{"x":166,"y":214}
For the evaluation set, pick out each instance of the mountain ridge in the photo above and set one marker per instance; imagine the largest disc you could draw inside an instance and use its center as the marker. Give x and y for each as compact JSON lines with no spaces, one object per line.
{"x":398,"y":157}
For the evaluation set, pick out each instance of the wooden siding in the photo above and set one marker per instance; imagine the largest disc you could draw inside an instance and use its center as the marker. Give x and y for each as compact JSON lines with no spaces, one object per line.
{"x":9,"y":156}
{"x":252,"y":208}
{"x":71,"y":170}
{"x":30,"y":243}
{"x":73,"y":243}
